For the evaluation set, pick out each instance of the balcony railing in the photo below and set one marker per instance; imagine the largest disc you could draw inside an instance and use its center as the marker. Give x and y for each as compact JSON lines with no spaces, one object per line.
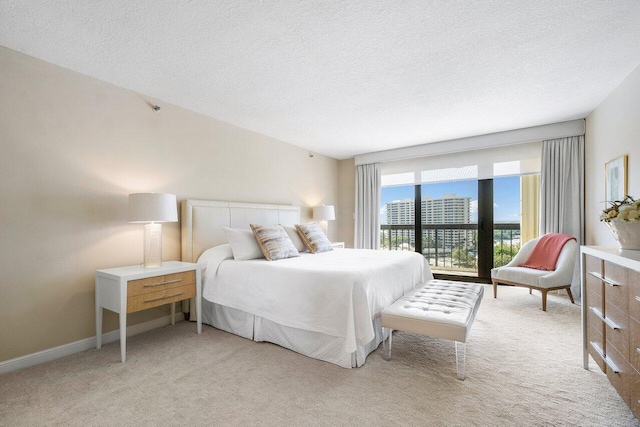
{"x":452,"y":248}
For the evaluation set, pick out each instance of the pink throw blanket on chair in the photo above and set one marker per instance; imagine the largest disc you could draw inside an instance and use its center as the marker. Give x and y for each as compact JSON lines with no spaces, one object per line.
{"x":546,"y":252}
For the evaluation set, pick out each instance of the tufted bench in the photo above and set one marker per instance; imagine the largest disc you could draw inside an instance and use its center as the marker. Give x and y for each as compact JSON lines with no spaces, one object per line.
{"x":438,"y":308}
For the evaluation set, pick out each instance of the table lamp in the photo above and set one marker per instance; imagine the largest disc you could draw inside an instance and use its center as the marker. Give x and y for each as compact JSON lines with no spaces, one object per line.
{"x":152,"y":209}
{"x":323,"y":214}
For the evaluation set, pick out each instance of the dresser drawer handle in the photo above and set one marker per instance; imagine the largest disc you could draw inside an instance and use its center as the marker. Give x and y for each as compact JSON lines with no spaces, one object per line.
{"x":638,"y":350}
{"x":159,"y":298}
{"x":604,"y":279}
{"x":638,"y":298}
{"x":596,"y":275}
{"x":166,"y":282}
{"x":606,"y":320}
{"x":604,"y":358}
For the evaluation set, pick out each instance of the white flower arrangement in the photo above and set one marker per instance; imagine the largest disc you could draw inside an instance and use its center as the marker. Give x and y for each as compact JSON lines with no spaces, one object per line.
{"x":622,"y":210}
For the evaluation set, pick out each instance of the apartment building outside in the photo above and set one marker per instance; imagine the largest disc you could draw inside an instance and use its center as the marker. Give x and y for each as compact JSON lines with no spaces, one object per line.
{"x":450,"y":209}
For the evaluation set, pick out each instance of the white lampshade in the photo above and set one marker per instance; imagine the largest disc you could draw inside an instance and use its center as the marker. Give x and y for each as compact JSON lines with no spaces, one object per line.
{"x":153,"y":207}
{"x":324,"y":213}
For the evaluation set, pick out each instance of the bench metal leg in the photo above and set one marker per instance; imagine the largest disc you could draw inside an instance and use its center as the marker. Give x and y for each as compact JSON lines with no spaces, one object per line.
{"x":386,"y":346}
{"x":461,"y":349}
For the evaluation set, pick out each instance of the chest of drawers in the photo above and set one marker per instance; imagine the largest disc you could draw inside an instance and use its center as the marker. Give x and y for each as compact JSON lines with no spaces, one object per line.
{"x":611,"y":317}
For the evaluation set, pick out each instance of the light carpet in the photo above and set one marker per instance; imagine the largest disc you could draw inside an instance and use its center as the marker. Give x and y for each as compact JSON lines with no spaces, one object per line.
{"x":524,"y":368}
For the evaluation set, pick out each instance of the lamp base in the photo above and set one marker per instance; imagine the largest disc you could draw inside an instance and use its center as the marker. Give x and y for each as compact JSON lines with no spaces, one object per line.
{"x":152,"y":245}
{"x":324,"y":226}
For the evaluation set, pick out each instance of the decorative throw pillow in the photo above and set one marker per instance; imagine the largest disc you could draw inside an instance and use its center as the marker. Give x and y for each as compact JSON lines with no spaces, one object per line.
{"x":243,"y":244}
{"x":274,"y":242}
{"x":314,"y":238}
{"x":292,"y":232}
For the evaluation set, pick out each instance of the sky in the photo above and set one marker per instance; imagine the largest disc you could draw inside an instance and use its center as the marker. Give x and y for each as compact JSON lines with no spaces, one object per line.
{"x":506,"y":196}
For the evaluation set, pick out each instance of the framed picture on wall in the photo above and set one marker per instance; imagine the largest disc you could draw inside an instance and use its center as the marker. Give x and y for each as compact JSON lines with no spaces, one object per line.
{"x":615,"y":179}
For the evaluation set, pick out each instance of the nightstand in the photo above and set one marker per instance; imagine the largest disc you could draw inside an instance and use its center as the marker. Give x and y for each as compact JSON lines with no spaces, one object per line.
{"x":129,"y":289}
{"x":337,"y":244}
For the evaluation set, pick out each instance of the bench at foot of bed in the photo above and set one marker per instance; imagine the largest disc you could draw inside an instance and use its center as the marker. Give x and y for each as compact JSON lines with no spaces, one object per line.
{"x":438,"y":308}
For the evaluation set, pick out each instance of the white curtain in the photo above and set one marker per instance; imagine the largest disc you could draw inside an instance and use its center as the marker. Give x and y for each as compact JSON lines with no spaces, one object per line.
{"x":368,"y":182}
{"x":562,"y":192}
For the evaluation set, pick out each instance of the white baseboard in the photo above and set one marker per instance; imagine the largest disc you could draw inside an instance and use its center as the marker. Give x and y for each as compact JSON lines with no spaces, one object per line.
{"x":82,"y":345}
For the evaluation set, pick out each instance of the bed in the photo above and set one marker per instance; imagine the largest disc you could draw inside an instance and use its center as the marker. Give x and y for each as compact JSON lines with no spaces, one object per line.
{"x":326,"y":306}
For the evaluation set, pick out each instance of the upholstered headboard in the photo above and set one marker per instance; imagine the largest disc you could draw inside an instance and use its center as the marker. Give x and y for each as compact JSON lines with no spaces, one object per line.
{"x":202,"y":222}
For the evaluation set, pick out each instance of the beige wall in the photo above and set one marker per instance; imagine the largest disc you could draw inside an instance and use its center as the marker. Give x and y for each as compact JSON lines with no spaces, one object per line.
{"x":613,"y":129}
{"x":346,"y":201}
{"x":73,"y":148}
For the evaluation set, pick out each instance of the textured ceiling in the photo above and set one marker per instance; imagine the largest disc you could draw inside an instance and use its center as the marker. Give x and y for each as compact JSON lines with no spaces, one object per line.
{"x":345,"y":78}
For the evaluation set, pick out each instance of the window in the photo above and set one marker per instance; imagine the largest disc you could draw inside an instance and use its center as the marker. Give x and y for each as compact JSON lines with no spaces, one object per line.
{"x":464,"y":227}
{"x":449,"y":226}
{"x":454,"y":227}
{"x":397,"y":217}
{"x":506,"y":224}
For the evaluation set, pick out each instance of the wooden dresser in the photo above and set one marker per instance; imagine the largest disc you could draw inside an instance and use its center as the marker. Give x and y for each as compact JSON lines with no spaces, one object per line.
{"x":611,"y":317}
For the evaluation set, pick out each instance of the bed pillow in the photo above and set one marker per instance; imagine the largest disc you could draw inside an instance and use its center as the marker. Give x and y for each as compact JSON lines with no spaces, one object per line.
{"x":314,"y":238}
{"x":292,"y":232}
{"x":274,"y":242}
{"x":243,"y":244}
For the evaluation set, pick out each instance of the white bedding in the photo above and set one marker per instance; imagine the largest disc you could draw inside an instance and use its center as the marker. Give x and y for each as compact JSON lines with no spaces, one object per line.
{"x":337,"y":293}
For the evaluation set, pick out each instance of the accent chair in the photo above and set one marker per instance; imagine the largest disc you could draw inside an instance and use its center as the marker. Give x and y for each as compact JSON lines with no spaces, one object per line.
{"x":543,"y":281}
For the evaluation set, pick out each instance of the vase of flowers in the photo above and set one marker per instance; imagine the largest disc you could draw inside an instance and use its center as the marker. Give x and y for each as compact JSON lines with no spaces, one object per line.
{"x":623,"y":219}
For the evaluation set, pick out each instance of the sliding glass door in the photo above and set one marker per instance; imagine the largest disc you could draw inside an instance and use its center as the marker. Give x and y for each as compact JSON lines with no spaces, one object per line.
{"x":397,"y":218}
{"x":464,"y":228}
{"x":449,"y":223}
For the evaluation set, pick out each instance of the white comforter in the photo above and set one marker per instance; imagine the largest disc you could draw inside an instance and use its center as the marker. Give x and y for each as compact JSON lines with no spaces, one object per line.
{"x":336,"y":293}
